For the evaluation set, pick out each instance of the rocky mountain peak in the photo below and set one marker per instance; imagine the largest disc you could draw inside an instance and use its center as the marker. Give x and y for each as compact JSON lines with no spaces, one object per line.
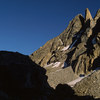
{"x":77,"y":47}
{"x":88,"y":15}
{"x":97,"y":16}
{"x":52,"y":50}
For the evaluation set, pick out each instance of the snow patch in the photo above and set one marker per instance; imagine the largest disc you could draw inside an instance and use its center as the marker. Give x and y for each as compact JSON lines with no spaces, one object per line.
{"x":56,"y":64}
{"x":65,"y":48}
{"x":72,"y":83}
{"x":53,"y":65}
{"x":49,"y":65}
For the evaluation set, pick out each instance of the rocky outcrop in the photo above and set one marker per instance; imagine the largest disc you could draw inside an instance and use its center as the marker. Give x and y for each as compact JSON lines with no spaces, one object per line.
{"x":52,"y":50}
{"x":22,"y":79}
{"x":90,"y":50}
{"x":77,"y":47}
{"x":62,"y":76}
{"x":65,"y":92}
{"x":88,"y":15}
{"x":97,"y":15}
{"x":89,"y":85}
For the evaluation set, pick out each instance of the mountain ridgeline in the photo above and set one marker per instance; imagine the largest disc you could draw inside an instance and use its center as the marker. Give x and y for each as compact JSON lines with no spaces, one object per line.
{"x":77,"y":46}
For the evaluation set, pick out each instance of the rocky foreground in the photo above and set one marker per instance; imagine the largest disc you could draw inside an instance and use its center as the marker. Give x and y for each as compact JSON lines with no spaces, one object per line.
{"x":22,"y":79}
{"x":89,"y":85}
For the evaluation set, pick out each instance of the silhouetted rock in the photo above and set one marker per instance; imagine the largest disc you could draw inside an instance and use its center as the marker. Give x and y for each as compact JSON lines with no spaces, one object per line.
{"x":65,"y":92}
{"x":22,"y":79}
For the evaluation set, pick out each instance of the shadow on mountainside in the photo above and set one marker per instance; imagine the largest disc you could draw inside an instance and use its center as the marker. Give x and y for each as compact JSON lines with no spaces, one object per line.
{"x":22,"y":79}
{"x":96,"y":63}
{"x":97,"y":27}
{"x":95,"y":31}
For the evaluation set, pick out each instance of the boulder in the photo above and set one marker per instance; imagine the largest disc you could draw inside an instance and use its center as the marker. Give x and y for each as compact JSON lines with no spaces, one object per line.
{"x":22,"y":79}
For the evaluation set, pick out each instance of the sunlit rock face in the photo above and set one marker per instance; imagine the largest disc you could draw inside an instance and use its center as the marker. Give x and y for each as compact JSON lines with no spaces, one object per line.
{"x":73,"y":52}
{"x":54,"y":50}
{"x":76,"y":45}
{"x":88,"y":15}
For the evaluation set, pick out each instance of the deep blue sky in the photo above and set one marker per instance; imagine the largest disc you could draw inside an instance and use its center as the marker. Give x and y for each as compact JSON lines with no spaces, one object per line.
{"x":25,"y":25}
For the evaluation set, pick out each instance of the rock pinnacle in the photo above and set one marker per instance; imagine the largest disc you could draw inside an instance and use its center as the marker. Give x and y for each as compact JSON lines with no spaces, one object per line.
{"x":88,"y":15}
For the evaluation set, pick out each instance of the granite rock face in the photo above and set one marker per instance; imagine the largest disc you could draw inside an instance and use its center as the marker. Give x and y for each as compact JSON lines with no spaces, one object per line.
{"x":88,"y":15}
{"x":22,"y":79}
{"x":52,"y":50}
{"x":77,"y":46}
{"x":97,"y":16}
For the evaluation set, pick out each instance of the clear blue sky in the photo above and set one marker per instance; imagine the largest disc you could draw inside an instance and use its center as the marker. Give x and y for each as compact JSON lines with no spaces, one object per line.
{"x":25,"y":25}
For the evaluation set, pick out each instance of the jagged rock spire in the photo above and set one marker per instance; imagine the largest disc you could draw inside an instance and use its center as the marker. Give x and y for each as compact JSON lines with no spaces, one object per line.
{"x":88,"y":15}
{"x":97,"y":15}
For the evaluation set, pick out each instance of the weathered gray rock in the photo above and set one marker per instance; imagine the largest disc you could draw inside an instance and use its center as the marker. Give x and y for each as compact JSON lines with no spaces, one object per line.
{"x":62,"y":76}
{"x":89,"y":85}
{"x":51,"y":51}
{"x":77,"y":46}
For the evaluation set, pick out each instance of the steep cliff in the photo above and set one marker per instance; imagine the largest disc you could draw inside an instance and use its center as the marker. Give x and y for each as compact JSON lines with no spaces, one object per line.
{"x":78,"y":46}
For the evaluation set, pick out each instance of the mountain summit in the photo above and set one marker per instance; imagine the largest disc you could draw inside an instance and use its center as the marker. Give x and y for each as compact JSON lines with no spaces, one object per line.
{"x":77,"y":47}
{"x":88,"y":15}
